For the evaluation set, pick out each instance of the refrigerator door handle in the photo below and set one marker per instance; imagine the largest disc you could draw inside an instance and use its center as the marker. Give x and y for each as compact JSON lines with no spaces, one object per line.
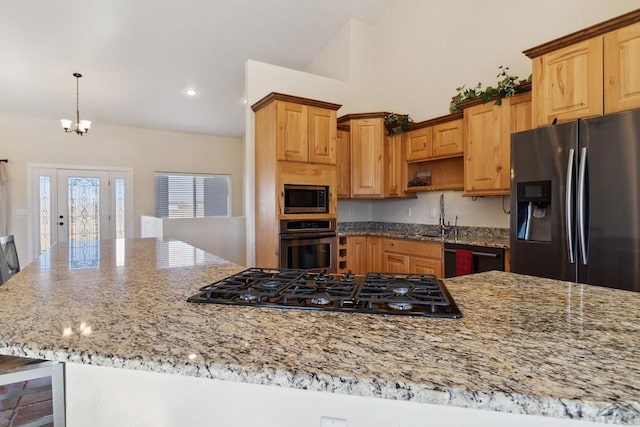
{"x":581,"y":206}
{"x":569,"y":206}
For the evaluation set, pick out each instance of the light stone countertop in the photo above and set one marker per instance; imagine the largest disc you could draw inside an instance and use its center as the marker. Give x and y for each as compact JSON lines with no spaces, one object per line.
{"x":525,"y":345}
{"x":488,"y":241}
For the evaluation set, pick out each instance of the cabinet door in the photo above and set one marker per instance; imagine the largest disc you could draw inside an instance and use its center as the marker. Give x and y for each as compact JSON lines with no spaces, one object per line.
{"x":482,"y":170}
{"x":343,"y":164}
{"x":393,"y":182}
{"x":515,"y":116}
{"x":374,"y":254}
{"x":357,"y":254}
{"x":447,"y":139}
{"x":419,"y":144}
{"x":419,"y":265}
{"x":395,"y":263}
{"x":622,"y":69}
{"x":292,"y":132}
{"x":567,"y":83}
{"x":367,"y":138}
{"x":322,"y":136}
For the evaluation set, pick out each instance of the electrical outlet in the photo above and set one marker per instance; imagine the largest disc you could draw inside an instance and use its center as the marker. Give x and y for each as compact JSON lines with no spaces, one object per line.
{"x":332,"y":422}
{"x":434,"y":212}
{"x":350,"y":212}
{"x":408,"y":211}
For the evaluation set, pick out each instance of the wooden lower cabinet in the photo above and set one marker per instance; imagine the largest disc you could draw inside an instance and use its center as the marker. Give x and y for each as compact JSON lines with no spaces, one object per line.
{"x":425,"y":266}
{"x":410,"y":256}
{"x":507,"y":260}
{"x":379,"y":254}
{"x":374,"y":253}
{"x":395,"y":263}
{"x":357,"y":254}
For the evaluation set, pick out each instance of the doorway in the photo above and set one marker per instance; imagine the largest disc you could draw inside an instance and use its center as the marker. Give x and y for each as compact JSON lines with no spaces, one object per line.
{"x":79,"y":204}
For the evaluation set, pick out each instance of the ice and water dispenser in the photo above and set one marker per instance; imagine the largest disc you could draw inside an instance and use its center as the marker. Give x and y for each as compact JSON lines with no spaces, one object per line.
{"x":534,"y":211}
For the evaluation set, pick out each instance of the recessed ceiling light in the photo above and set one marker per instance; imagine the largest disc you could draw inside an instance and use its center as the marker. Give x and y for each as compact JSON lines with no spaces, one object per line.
{"x":190,"y":92}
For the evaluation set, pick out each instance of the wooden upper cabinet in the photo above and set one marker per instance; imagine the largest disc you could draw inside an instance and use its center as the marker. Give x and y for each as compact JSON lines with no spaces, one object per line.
{"x":622,"y":69}
{"x":367,"y":149}
{"x":305,"y":129}
{"x":292,"y":139}
{"x":587,"y":73}
{"x":419,"y":144}
{"x":568,"y":83}
{"x":488,"y":128}
{"x":393,"y":158}
{"x":343,"y":164}
{"x":322,"y":135}
{"x":447,"y":139}
{"x":482,"y":148}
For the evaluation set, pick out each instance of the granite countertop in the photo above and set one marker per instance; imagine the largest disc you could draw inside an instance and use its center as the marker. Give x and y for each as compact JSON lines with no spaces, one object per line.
{"x":487,"y":241}
{"x":525,"y":345}
{"x":476,"y":236}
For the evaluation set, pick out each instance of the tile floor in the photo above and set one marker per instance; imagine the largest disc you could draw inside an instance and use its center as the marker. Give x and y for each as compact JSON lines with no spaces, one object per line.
{"x":17,"y":411}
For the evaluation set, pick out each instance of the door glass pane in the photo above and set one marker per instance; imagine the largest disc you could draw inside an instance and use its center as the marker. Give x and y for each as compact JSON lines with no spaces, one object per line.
{"x":45,"y":213}
{"x":84,"y":208}
{"x":120,"y":213}
{"x":84,"y":254}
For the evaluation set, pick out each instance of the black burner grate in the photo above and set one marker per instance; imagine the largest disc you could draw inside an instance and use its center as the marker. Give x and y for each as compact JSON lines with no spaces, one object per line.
{"x":379,"y":293}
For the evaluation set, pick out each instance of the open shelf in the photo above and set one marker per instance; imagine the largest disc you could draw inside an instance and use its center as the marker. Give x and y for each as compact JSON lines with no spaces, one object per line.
{"x":446,"y":174}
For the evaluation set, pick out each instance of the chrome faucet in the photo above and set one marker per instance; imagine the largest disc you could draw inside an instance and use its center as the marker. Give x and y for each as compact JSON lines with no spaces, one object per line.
{"x":444,"y":228}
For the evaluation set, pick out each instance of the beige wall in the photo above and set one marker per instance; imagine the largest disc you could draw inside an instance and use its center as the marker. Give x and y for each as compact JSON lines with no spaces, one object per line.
{"x":37,"y":140}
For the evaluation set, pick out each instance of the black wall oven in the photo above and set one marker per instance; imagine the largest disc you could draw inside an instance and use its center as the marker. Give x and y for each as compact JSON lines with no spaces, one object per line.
{"x":306,"y":244}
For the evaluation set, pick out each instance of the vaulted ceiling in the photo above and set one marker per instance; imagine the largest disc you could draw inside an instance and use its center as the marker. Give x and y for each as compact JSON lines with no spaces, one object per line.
{"x":138,"y":57}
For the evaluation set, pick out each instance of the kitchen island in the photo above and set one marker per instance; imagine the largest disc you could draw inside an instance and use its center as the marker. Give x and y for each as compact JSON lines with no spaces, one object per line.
{"x":525,"y":345}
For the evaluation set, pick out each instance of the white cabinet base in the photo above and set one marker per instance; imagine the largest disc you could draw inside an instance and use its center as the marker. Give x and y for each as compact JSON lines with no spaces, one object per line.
{"x":98,"y":396}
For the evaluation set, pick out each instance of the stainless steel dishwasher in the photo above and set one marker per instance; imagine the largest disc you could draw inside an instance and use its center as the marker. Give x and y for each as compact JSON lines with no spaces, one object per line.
{"x":484,"y":258}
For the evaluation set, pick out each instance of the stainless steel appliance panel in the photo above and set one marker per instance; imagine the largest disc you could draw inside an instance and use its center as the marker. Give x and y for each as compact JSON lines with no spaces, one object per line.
{"x":545,"y":155}
{"x":609,"y":230}
{"x":304,"y":199}
{"x":309,"y":244}
{"x":308,"y":250}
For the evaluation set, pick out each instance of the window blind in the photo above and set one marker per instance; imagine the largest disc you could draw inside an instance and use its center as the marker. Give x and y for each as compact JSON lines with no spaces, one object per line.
{"x":192,"y":196}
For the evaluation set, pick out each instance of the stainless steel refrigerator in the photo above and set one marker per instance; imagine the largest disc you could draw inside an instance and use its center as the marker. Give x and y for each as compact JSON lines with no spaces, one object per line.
{"x":575,"y":201}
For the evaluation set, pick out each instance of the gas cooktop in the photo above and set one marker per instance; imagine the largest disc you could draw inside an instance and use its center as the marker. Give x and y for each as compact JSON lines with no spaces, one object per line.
{"x":376,"y":293}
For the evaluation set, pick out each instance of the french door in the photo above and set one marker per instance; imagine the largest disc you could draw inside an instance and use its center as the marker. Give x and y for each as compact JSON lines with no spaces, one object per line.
{"x":78,"y":204}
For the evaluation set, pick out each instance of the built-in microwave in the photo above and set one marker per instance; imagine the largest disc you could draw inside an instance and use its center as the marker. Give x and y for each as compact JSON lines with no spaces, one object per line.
{"x":305,"y":199}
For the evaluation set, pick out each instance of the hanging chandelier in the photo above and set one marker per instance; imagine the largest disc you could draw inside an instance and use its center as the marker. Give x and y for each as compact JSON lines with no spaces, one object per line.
{"x":81,"y":126}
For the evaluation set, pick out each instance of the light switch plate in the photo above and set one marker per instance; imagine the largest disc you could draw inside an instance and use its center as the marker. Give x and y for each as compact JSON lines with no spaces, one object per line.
{"x":21,"y":212}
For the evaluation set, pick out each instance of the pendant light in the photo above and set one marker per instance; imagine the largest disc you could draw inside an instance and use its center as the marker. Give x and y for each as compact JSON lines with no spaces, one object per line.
{"x":81,"y":126}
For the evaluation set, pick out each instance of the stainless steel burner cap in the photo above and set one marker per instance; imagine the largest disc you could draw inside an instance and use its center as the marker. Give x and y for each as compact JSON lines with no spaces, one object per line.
{"x":400,"y":290}
{"x":400,"y":306}
{"x":320,"y":301}
{"x":248,"y":297}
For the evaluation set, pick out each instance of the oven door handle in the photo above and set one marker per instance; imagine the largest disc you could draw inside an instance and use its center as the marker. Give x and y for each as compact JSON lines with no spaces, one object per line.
{"x":306,"y":236}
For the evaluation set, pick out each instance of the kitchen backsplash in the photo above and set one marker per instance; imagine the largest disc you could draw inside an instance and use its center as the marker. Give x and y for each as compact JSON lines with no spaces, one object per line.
{"x":405,"y":228}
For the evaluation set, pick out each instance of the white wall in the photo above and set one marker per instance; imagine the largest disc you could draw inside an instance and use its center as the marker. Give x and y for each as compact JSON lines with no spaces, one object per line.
{"x":40,"y":140}
{"x":417,"y":53}
{"x":224,"y":237}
